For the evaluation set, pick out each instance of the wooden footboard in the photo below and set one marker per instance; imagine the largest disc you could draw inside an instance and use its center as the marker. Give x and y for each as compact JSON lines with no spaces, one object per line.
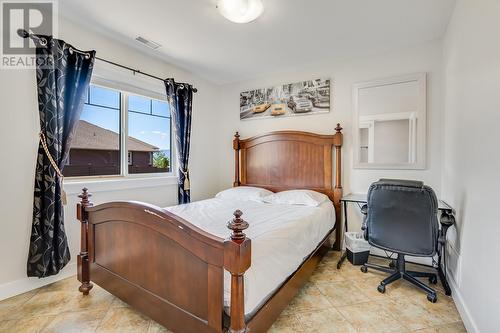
{"x":163,"y":265}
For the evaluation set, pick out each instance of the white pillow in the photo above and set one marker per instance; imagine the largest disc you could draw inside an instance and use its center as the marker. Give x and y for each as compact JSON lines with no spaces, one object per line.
{"x":297,"y":197}
{"x":244,"y":193}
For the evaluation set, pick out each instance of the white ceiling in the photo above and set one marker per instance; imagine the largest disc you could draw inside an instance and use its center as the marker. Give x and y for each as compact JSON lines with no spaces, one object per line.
{"x":289,"y":33}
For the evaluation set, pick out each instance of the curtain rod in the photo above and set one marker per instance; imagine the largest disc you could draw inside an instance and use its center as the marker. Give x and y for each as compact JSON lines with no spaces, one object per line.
{"x":24,"y":34}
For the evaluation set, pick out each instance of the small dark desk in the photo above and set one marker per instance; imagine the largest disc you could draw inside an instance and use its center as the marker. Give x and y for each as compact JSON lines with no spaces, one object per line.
{"x":447,"y":220}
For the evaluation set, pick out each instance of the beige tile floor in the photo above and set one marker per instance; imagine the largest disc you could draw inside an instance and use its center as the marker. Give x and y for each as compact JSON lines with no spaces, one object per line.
{"x":342,"y":301}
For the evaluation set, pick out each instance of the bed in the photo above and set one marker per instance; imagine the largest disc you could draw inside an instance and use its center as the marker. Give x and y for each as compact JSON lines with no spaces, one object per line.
{"x":274,"y":227}
{"x":181,"y":265}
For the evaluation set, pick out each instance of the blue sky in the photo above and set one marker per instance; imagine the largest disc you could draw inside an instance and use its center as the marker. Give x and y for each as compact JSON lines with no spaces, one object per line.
{"x":143,"y":124}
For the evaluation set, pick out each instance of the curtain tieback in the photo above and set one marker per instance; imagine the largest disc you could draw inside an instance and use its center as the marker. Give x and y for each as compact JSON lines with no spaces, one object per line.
{"x":187,"y":185}
{"x":54,"y":165}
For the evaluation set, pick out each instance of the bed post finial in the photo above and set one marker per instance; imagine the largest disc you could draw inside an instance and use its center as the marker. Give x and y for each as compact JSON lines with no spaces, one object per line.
{"x":237,"y":259}
{"x":83,"y":258}
{"x":85,"y":196}
{"x":237,"y":225}
{"x":236,"y":147}
{"x":338,"y":129}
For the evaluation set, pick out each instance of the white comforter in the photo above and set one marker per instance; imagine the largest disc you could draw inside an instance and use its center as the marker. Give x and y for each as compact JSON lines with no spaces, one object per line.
{"x":282,"y":236}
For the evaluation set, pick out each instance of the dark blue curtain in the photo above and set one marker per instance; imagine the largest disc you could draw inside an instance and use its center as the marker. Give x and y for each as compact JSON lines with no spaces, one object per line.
{"x":63,"y":76}
{"x":180,"y":98}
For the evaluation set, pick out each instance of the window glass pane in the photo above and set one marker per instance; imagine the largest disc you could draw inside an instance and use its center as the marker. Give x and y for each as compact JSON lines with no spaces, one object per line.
{"x":149,"y":143}
{"x":95,"y":149}
{"x":104,"y":97}
{"x":139,"y":104}
{"x":161,"y":108}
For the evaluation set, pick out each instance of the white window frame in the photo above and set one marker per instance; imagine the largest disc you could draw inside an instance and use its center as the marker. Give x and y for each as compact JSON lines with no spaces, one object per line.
{"x":125,"y":91}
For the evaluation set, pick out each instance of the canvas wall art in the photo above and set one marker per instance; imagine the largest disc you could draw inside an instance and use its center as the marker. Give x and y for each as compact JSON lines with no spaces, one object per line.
{"x":292,"y":99}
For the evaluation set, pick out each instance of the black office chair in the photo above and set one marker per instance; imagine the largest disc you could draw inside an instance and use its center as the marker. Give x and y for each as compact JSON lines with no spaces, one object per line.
{"x":401,"y":217}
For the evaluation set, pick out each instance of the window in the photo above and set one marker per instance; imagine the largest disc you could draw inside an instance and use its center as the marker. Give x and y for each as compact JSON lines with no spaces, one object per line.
{"x":100,"y":146}
{"x":148,"y":135}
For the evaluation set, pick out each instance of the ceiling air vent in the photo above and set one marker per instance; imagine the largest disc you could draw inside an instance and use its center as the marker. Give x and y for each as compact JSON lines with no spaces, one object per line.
{"x":148,"y":43}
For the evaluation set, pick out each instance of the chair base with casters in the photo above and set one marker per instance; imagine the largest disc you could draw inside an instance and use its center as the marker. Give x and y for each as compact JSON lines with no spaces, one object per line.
{"x":399,"y":272}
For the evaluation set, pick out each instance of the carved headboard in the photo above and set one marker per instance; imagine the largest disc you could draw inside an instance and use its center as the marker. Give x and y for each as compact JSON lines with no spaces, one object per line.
{"x":286,"y":160}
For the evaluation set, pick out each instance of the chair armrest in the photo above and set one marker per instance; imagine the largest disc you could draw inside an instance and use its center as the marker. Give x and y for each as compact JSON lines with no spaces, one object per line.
{"x":364,"y":227}
{"x":364,"y":209}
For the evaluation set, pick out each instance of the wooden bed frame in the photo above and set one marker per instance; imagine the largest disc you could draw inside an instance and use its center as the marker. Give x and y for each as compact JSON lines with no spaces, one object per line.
{"x":172,"y":271}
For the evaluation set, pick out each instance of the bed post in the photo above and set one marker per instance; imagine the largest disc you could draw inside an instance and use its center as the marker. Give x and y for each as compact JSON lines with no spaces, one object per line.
{"x":337,"y":192}
{"x":237,"y":259}
{"x":236,"y":147}
{"x":83,"y":258}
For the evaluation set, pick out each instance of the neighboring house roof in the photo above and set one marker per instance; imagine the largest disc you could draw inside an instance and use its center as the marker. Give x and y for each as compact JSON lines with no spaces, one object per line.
{"x":93,"y":137}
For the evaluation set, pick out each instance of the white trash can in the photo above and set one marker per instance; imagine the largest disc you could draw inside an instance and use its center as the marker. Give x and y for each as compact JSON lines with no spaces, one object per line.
{"x":357,"y":248}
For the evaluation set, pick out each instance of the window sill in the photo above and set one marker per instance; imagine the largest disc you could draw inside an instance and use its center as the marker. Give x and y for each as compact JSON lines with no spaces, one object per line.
{"x":117,"y":183}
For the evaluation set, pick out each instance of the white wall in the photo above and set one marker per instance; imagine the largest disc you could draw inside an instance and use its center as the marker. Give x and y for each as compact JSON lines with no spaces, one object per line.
{"x":423,"y":58}
{"x":471,"y":163}
{"x":19,"y":139}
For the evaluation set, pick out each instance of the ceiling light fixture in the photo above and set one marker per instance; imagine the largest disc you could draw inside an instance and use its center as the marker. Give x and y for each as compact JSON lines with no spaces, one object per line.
{"x":240,"y":11}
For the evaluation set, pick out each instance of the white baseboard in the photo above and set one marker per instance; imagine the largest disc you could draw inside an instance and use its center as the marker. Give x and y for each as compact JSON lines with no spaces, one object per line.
{"x":20,"y":286}
{"x":462,"y":308}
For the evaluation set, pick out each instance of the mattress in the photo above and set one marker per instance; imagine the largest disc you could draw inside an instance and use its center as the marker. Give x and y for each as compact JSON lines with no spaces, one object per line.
{"x":282,"y":237}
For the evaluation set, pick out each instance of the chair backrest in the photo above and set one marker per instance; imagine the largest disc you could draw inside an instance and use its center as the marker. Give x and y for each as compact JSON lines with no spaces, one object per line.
{"x":402,"y":217}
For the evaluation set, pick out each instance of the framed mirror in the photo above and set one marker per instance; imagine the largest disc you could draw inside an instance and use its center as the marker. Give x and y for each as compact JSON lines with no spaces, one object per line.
{"x":390,"y":122}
